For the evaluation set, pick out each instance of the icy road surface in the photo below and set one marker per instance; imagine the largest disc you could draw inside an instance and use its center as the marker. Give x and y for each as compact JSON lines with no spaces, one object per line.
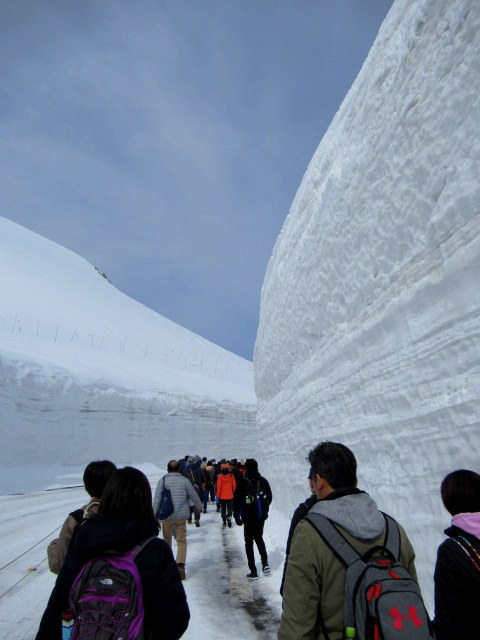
{"x":222,"y":602}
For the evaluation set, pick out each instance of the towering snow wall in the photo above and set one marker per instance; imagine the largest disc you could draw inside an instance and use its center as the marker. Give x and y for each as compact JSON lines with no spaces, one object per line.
{"x":370,"y":312}
{"x":86,"y":373}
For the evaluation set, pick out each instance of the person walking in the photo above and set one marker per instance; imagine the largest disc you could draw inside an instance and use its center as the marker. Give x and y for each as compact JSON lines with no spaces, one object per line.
{"x":208,"y":481}
{"x":182,"y":491}
{"x":125,"y":519}
{"x":196,"y":475}
{"x":314,"y":587}
{"x":226,"y":486}
{"x":457,"y":571}
{"x":250,"y":507}
{"x":95,"y":477}
{"x":217,"y":471}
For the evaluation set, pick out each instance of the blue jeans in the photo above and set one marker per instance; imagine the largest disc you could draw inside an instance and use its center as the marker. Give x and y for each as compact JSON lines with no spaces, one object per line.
{"x":205,"y":499}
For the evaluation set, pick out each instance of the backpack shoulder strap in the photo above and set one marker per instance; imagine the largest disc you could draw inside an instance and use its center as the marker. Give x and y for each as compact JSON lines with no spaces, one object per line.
{"x":392,"y":536}
{"x":140,"y":547}
{"x":77,"y":515}
{"x":333,"y":538}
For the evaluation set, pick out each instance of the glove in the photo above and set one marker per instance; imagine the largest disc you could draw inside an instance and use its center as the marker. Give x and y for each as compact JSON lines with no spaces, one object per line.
{"x":238,"y":522}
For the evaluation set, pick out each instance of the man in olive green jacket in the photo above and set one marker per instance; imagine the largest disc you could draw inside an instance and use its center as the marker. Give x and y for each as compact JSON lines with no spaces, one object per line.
{"x":313,"y":593}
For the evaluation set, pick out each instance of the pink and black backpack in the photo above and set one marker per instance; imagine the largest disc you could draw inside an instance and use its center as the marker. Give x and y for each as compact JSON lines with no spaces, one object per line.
{"x":106,"y":598}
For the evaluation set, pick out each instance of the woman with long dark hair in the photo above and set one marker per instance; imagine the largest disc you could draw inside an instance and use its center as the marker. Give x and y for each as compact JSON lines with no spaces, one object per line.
{"x":457,"y":572}
{"x":125,"y":519}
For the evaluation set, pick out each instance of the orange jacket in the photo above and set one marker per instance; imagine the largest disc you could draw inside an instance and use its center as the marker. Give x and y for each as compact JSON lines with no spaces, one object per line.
{"x":226,"y":486}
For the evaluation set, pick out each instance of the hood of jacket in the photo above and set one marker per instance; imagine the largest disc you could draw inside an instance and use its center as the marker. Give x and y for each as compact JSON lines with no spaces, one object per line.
{"x":354,"y":511}
{"x":469,"y":522}
{"x":99,"y":534}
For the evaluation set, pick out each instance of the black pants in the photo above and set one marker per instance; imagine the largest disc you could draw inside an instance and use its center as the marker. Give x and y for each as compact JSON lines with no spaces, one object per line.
{"x":253,"y":531}
{"x":226,"y":508}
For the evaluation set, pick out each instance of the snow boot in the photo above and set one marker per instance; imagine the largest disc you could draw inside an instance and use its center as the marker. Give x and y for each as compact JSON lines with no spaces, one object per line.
{"x":229,"y":522}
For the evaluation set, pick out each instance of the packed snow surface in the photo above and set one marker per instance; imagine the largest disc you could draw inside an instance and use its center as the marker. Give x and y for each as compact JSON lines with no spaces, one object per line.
{"x":222,"y":601}
{"x":370,"y":311}
{"x":87,"y":372}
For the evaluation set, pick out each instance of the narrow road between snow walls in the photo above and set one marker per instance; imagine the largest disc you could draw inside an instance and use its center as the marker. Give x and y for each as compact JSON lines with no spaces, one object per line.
{"x":222,"y":601}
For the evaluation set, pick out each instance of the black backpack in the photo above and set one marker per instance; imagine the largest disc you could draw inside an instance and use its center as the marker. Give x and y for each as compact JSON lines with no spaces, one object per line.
{"x":382,"y":600}
{"x":256,"y":501}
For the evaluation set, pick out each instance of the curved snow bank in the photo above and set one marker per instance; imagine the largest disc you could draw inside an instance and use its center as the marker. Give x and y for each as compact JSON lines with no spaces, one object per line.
{"x":370,"y":314}
{"x":87,"y":372}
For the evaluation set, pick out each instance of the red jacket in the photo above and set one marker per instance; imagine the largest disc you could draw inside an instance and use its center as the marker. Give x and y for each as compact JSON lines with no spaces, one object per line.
{"x":226,"y":486}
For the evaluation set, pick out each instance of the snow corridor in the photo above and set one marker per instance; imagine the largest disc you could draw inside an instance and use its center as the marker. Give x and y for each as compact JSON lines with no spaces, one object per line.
{"x":222,"y":601}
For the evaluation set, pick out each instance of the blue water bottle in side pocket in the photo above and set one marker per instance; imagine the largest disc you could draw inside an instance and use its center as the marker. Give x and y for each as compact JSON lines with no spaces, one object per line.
{"x":68,"y":620}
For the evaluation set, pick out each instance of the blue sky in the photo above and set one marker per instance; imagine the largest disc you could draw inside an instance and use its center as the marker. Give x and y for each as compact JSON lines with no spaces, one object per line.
{"x":164,"y":141}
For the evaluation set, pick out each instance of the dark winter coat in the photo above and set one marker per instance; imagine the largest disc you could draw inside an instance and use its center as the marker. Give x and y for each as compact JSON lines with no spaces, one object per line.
{"x":237,"y":474}
{"x":208,"y":476}
{"x":183,"y":469}
{"x":249,"y":513}
{"x":165,"y":603}
{"x":196,"y":475}
{"x":299,"y":514}
{"x":457,"y":588}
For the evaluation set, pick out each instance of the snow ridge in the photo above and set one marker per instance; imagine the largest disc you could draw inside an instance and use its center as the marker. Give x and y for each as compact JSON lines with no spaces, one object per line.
{"x":87,"y":372}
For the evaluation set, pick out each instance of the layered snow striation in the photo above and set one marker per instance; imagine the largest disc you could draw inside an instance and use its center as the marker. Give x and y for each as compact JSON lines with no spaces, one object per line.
{"x":370,"y":311}
{"x":87,"y":372}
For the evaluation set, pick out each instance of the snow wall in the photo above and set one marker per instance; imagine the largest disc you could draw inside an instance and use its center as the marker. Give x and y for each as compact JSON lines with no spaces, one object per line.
{"x":53,"y":426}
{"x":370,"y":310}
{"x":88,"y":373}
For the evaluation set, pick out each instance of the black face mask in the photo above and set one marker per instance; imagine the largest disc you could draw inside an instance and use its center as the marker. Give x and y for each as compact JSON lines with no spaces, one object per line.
{"x":224,"y":471}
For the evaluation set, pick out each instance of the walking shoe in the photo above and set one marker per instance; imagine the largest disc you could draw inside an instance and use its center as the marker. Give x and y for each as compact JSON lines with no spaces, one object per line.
{"x":266,"y":570}
{"x":197,"y":523}
{"x":252,"y":576}
{"x":229,"y":522}
{"x":181,"y":570}
{"x":204,"y":511}
{"x":224,"y":524}
{"x":189,"y":521}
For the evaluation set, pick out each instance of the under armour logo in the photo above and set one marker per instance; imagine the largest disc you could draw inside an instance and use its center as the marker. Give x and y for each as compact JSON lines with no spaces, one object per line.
{"x":398,"y":618}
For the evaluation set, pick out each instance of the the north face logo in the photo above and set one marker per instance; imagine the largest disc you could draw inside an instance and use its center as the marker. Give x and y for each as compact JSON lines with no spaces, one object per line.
{"x":398,"y":618}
